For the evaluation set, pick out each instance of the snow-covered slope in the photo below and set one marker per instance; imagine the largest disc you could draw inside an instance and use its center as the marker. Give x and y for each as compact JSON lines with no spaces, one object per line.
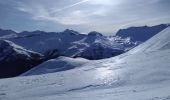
{"x":56,"y":65}
{"x":14,"y":59}
{"x":140,"y":74}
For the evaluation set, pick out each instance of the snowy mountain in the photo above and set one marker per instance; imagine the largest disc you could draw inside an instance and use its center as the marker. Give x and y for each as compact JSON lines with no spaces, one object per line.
{"x":7,"y":33}
{"x":15,"y":60}
{"x":69,"y":43}
{"x":92,"y":46}
{"x":126,"y":43}
{"x":140,"y":74}
{"x":142,"y":33}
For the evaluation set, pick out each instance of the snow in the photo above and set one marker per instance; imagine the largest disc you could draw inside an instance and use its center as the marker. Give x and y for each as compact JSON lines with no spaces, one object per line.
{"x":56,"y":65}
{"x":140,"y":74}
{"x":68,"y":43}
{"x":73,"y":44}
{"x":7,"y":34}
{"x":8,"y":47}
{"x":141,"y":33}
{"x":158,"y":42}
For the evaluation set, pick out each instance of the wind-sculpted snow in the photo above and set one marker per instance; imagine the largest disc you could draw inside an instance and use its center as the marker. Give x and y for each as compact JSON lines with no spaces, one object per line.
{"x":56,"y":65}
{"x":140,"y":74}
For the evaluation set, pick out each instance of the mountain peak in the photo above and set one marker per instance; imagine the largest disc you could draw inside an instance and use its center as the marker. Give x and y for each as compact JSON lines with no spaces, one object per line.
{"x":94,"y":33}
{"x":70,"y":32}
{"x":7,"y":33}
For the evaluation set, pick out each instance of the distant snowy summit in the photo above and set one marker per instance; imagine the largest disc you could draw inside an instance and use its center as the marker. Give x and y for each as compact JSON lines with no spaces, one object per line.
{"x":142,"y":33}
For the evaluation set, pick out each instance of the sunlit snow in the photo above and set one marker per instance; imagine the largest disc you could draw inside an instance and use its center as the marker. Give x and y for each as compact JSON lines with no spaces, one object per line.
{"x":140,"y":74}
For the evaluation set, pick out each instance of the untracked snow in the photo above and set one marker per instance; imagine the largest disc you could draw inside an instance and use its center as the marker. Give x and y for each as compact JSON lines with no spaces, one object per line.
{"x":56,"y":65}
{"x":140,"y":74}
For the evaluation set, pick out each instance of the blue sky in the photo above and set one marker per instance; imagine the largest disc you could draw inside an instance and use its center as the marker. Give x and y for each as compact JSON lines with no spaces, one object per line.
{"x":106,"y":16}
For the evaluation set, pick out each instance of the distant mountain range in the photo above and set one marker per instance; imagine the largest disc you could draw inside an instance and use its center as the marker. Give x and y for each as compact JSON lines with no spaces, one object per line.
{"x":142,"y":73}
{"x":20,"y":52}
{"x":69,"y":43}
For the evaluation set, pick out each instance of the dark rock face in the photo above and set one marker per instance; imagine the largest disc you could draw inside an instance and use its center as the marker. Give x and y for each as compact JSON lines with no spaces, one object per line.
{"x":15,"y":60}
{"x":141,"y":33}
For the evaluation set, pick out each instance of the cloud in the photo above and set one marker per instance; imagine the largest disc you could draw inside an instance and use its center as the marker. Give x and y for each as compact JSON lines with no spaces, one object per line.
{"x":105,"y":2}
{"x":40,"y":13}
{"x":86,"y":15}
{"x":70,"y":6}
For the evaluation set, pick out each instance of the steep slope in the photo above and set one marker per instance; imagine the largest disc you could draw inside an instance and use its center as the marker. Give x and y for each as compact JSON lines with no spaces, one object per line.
{"x":15,"y":60}
{"x":140,"y":74}
{"x":141,"y":33}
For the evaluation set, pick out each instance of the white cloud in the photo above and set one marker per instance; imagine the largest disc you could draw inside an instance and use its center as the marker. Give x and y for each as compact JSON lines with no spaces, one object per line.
{"x":39,"y":13}
{"x":104,"y":2}
{"x":95,"y":14}
{"x":70,"y":6}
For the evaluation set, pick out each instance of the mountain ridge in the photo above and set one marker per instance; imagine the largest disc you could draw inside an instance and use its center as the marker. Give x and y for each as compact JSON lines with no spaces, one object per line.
{"x":69,"y":43}
{"x":142,"y":33}
{"x":136,"y":74}
{"x":15,"y":60}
